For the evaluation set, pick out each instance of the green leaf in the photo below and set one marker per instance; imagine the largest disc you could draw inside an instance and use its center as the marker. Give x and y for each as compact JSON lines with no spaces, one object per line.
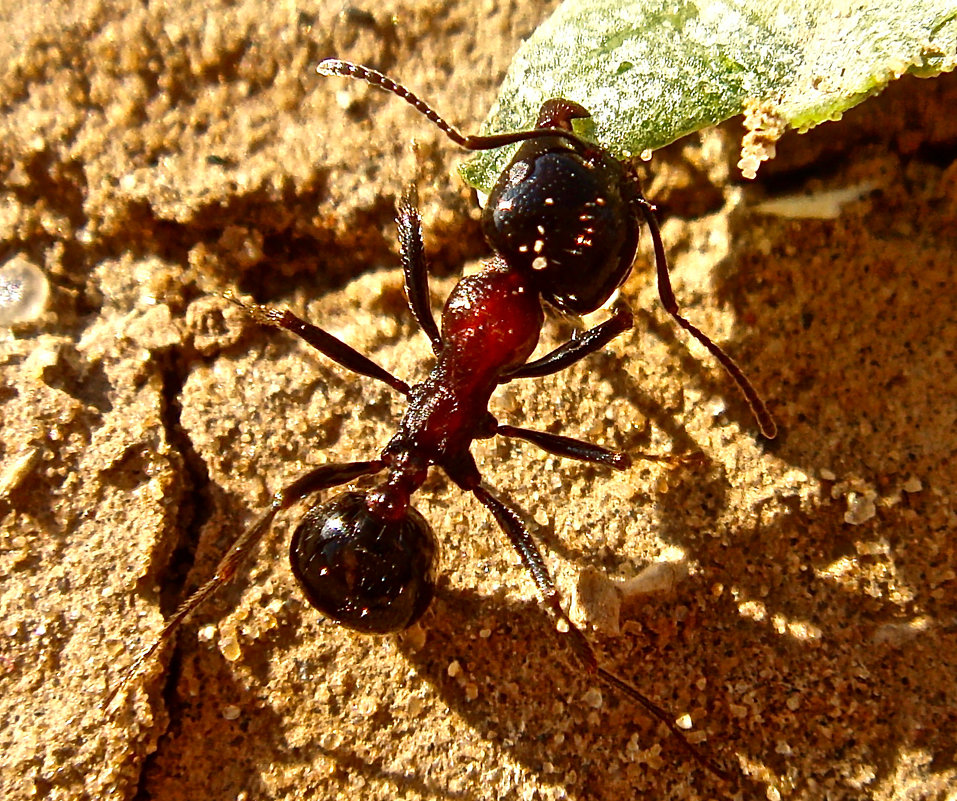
{"x":652,"y":71}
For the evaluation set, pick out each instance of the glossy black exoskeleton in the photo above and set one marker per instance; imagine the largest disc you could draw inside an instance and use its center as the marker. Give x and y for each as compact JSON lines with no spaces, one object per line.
{"x":564,"y":214}
{"x":563,"y":224}
{"x":372,"y":575}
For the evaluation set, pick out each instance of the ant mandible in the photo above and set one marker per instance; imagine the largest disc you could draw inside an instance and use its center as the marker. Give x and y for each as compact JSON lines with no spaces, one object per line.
{"x":562,"y":222}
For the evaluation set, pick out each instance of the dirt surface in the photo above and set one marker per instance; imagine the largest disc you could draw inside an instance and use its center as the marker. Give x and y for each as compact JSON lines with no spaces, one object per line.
{"x":154,"y":157}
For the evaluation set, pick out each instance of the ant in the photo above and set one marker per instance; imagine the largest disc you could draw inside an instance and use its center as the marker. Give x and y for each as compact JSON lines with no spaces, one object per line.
{"x":563,"y":223}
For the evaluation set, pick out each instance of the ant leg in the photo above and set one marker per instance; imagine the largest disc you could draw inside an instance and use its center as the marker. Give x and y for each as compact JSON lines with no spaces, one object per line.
{"x":594,"y":339}
{"x":322,"y":341}
{"x":570,"y":448}
{"x":513,"y":526}
{"x":324,"y":477}
{"x":761,"y":414}
{"x":416,"y":267}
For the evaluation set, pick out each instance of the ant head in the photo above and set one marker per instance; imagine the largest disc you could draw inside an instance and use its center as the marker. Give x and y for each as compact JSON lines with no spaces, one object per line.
{"x":372,"y":575}
{"x":562,"y":213}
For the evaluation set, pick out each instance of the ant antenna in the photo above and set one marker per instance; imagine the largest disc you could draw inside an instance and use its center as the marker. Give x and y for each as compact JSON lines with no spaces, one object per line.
{"x":346,"y":69}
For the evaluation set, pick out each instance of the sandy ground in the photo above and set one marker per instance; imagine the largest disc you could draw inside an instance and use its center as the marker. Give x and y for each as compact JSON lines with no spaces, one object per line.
{"x":151,"y":158}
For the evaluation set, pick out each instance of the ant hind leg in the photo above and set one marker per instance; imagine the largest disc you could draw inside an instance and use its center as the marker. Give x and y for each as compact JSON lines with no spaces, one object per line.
{"x":514,"y":527}
{"x":323,"y":477}
{"x":570,"y":448}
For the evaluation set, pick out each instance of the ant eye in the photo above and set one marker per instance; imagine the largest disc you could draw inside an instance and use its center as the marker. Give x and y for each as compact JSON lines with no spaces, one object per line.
{"x":372,"y":575}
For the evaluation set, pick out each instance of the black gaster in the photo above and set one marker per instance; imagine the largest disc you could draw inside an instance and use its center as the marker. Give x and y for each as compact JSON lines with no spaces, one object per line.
{"x":372,"y":575}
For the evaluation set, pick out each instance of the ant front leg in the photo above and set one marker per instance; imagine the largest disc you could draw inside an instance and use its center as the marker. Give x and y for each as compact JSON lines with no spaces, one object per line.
{"x":760,"y":411}
{"x":324,"y":342}
{"x":416,"y":267}
{"x":324,"y":477}
{"x":512,"y":524}
{"x":593,"y":340}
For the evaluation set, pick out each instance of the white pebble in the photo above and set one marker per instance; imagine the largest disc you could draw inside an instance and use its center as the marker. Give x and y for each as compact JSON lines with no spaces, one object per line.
{"x":24,"y":291}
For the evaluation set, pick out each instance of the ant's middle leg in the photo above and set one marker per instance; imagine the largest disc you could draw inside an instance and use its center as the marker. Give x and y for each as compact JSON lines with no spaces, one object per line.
{"x":321,"y":340}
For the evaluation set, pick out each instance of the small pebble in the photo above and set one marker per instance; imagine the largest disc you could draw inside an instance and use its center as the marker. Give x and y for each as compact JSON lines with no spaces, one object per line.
{"x":593,"y":698}
{"x":24,"y":291}
{"x":229,"y":647}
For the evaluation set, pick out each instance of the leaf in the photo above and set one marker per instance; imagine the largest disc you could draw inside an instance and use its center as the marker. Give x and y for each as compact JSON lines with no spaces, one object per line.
{"x":652,"y":71}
